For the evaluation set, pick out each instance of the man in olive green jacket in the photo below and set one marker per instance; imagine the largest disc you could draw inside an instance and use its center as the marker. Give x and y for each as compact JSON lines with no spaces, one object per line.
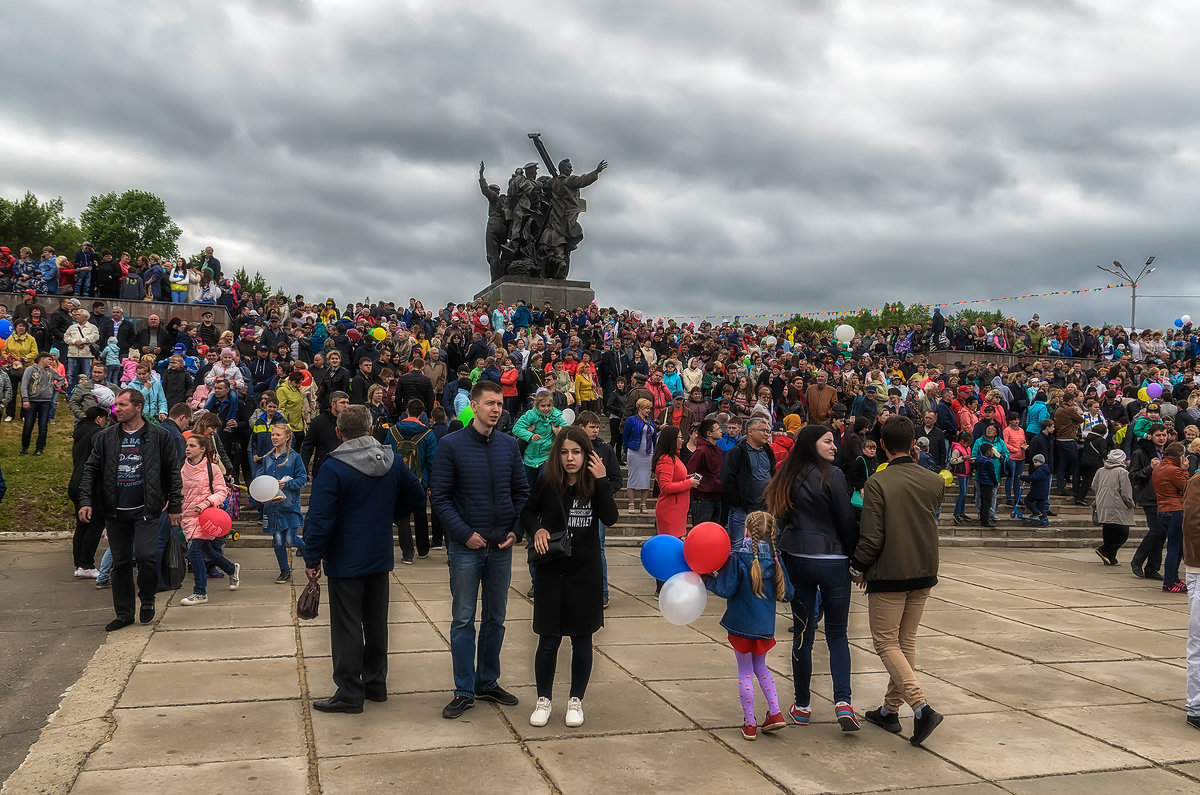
{"x":896,"y":559}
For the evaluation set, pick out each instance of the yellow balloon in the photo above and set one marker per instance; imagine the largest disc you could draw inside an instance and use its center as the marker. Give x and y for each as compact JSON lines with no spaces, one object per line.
{"x":881,"y":467}
{"x":1143,"y":395}
{"x":378,"y":334}
{"x":947,"y":477}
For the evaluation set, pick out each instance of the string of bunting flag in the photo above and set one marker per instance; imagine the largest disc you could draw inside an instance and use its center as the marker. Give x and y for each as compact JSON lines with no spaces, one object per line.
{"x":850,"y":312}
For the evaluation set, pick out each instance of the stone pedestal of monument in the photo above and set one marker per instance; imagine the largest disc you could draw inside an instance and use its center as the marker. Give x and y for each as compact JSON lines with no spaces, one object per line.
{"x":561,"y":293}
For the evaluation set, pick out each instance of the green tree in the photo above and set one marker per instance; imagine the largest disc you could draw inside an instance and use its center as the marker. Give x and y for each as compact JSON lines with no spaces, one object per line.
{"x":33,"y":223}
{"x":252,"y":284}
{"x":135,"y":221}
{"x":971,"y":315}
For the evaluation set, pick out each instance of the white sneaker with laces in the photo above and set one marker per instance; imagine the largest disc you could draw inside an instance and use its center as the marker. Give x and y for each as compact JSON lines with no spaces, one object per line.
{"x":8,"y":419}
{"x":91,"y":574}
{"x":541,"y":713}
{"x":79,"y":573}
{"x":235,"y":579}
{"x":574,"y":712}
{"x":194,"y":599}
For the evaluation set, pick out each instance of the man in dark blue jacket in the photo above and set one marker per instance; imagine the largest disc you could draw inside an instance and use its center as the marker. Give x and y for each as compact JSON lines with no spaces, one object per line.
{"x":363,"y":488}
{"x":478,"y":489}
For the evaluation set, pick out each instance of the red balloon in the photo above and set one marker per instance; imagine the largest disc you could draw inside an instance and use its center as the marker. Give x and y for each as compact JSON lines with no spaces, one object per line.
{"x":354,"y":334}
{"x":307,"y":378}
{"x":214,"y":522}
{"x":706,"y":547}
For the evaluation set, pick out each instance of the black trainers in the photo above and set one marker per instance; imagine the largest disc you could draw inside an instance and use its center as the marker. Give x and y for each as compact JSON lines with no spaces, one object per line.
{"x":1137,"y":570}
{"x":117,"y":623}
{"x":498,"y":695}
{"x":889,"y":722}
{"x":457,"y":706}
{"x":284,"y":577}
{"x":146,"y":614}
{"x":1193,"y":721}
{"x":924,"y":725}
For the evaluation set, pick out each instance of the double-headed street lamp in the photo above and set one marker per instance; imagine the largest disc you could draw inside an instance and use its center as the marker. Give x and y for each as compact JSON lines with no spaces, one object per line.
{"x":1124,"y":275}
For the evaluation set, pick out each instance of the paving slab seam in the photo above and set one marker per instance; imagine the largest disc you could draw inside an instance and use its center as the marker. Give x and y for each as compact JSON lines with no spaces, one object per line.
{"x":314,"y":778}
{"x":695,"y":725}
{"x":84,"y":720}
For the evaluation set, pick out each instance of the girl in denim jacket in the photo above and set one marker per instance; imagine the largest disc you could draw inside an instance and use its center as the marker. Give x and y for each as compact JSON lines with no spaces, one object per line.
{"x":752,"y":581}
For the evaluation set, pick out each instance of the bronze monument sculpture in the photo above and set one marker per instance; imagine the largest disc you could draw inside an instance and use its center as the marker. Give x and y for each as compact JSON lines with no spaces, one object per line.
{"x":533,"y":226}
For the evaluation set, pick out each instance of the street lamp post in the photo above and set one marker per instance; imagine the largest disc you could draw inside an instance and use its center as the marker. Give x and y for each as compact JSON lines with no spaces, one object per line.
{"x":1124,"y":275}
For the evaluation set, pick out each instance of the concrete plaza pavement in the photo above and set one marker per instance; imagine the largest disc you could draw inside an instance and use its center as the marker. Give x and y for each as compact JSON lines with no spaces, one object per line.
{"x":1055,"y":674}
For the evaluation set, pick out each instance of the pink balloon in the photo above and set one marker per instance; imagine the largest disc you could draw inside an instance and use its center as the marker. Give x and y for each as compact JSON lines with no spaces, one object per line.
{"x":214,"y":522}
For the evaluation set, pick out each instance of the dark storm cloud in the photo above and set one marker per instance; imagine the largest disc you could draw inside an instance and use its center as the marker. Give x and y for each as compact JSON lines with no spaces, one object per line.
{"x":765,"y":157}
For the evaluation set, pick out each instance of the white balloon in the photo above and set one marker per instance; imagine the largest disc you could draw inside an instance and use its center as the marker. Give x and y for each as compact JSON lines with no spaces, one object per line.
{"x":769,"y":341}
{"x":1186,"y":319}
{"x":568,"y":416}
{"x":843,"y":333}
{"x":683,"y":598}
{"x":264,"y":488}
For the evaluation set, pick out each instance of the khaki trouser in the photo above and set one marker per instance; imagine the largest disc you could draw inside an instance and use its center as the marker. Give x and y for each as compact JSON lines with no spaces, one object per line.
{"x":894,"y":620}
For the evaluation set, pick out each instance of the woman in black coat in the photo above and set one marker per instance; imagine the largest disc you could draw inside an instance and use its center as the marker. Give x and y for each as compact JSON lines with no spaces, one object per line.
{"x":572,"y":496}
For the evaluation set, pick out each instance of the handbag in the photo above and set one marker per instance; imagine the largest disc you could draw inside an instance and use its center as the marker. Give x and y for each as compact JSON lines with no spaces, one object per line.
{"x":559,"y":547}
{"x":174,"y":558}
{"x":309,"y":602}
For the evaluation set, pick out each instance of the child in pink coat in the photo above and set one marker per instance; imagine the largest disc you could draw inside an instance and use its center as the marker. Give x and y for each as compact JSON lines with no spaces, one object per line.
{"x":203,"y":488}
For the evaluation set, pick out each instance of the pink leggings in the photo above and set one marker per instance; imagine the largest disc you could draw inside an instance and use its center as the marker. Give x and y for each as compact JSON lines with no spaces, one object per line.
{"x":749,"y":667}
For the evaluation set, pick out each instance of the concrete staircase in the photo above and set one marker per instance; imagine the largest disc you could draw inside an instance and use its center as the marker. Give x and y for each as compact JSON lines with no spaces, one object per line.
{"x":1071,"y":528}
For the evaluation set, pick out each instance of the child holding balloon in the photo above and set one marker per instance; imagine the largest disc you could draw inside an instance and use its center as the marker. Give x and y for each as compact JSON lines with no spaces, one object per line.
{"x":752,"y":581}
{"x":281,"y":514}
{"x":203,"y":488}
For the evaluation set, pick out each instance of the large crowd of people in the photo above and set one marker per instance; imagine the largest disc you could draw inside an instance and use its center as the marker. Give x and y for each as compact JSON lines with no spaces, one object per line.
{"x":716,"y":421}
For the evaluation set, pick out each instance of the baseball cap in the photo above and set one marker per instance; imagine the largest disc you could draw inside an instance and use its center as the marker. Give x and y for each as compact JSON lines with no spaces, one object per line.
{"x":179,"y":348}
{"x":263,"y":348}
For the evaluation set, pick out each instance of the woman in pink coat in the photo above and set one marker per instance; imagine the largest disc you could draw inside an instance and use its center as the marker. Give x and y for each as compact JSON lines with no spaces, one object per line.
{"x":203,"y":488}
{"x":674,"y":486}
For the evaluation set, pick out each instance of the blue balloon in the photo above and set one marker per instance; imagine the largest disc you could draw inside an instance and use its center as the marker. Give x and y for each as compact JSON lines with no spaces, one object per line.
{"x":662,"y":557}
{"x":1178,"y":322}
{"x":6,"y":329}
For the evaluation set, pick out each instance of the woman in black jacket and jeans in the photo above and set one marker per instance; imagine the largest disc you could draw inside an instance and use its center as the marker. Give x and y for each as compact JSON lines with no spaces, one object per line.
{"x":818,"y":529}
{"x":572,"y":496}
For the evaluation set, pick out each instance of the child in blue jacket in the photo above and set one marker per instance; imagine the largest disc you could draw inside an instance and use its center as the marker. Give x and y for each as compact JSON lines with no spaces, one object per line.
{"x":986,"y":481}
{"x":281,"y":516}
{"x":1039,"y":487}
{"x":752,"y":581}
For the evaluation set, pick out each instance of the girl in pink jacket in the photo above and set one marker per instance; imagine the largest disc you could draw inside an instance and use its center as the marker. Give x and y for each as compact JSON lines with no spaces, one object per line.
{"x":203,"y":488}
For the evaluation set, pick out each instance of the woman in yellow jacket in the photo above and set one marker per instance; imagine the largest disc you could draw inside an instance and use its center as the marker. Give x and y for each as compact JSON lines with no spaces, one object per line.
{"x":291,"y":405}
{"x":585,"y":385}
{"x":24,"y":350}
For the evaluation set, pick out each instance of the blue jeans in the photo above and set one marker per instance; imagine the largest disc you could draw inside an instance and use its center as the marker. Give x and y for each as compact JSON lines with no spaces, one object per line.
{"x":105,"y":566}
{"x":737,"y":526}
{"x":75,"y":368}
{"x":960,"y":507}
{"x":1066,"y":465}
{"x":179,"y":296}
{"x":112,"y":373}
{"x":471,"y":571}
{"x":828,"y":579}
{"x":1012,"y":479}
{"x":198,"y":549}
{"x":38,"y":412}
{"x":1172,"y":525}
{"x":83,"y":282}
{"x":282,"y":539}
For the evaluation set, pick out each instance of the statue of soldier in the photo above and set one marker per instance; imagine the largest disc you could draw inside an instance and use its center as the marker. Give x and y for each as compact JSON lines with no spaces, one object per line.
{"x":521,"y":189}
{"x":495,"y":233}
{"x":563,"y":233}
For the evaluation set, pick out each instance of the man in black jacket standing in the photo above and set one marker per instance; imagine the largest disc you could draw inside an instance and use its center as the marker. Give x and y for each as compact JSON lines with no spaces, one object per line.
{"x":414,"y":384}
{"x":1148,"y":452}
{"x":321,"y":439}
{"x":590,"y":422}
{"x":131,"y":477}
{"x":744,"y":475}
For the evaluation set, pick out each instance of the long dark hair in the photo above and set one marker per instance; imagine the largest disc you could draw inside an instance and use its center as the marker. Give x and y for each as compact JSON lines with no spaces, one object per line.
{"x":667,"y":444}
{"x":554,"y":477}
{"x":803,"y":457}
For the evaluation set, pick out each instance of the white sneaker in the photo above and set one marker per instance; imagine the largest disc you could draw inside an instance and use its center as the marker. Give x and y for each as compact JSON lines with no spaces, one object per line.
{"x":194,"y":599}
{"x":8,"y":419}
{"x":235,"y":579}
{"x":541,"y":713}
{"x":574,"y":712}
{"x":79,"y":574}
{"x":91,"y":574}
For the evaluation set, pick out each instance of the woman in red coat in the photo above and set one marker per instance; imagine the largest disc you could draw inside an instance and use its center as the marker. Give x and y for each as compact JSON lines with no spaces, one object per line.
{"x":674,"y":486}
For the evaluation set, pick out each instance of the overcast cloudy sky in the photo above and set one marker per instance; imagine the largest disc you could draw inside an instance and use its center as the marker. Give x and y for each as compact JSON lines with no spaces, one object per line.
{"x":766,"y":155}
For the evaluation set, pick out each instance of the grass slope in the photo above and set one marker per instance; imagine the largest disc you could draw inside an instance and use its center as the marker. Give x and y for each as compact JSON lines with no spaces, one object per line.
{"x":37,"y":485}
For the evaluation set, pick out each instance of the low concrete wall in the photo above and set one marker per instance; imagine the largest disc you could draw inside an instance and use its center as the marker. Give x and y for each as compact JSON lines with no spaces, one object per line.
{"x":138,"y":311}
{"x":944,"y":359}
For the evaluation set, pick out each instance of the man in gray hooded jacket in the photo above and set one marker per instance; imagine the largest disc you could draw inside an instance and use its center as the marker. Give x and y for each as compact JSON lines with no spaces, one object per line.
{"x":362,"y":489}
